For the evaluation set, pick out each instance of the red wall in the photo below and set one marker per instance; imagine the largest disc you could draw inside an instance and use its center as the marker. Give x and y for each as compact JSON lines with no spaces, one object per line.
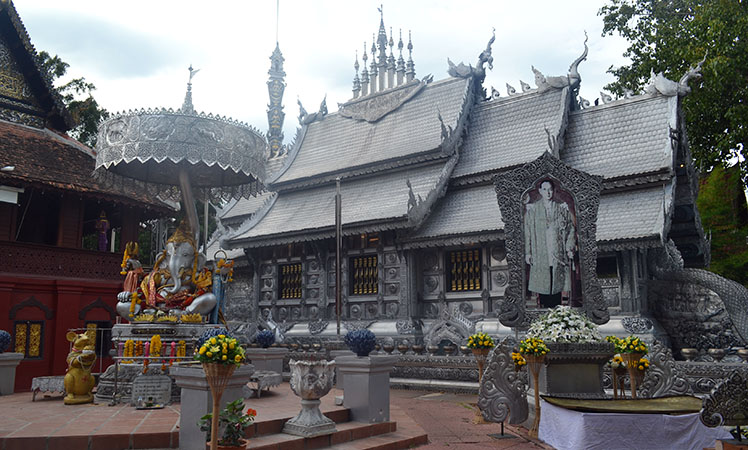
{"x":61,"y":302}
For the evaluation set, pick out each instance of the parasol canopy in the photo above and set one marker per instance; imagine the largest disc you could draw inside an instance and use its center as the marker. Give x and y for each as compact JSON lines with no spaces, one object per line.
{"x":219,"y":156}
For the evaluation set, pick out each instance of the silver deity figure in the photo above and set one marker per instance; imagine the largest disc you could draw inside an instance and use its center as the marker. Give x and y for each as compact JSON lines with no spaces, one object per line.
{"x":179,"y":282}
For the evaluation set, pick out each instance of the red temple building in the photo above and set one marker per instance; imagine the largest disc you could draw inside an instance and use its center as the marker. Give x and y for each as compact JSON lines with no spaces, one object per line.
{"x":53,"y":275}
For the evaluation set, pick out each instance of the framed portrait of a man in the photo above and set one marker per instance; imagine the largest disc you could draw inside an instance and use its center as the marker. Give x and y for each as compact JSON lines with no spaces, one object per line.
{"x":550,"y":246}
{"x":549,"y":218}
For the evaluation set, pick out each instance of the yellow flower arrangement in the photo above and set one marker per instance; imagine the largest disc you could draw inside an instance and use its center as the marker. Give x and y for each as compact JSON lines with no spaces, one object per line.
{"x":631,"y":344}
{"x":519,"y":360}
{"x":480,"y":340}
{"x":533,"y":347}
{"x":643,"y":364}
{"x":139,"y":348}
{"x":221,"y":349}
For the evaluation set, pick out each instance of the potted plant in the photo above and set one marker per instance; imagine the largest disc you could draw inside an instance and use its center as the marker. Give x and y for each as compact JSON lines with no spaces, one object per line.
{"x":533,"y":351}
{"x":233,"y":421}
{"x":8,"y":363}
{"x":361,"y":342}
{"x":220,"y":355}
{"x":632,"y":349}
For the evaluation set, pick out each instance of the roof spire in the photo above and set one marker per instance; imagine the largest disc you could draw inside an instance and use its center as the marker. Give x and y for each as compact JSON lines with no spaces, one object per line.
{"x":400,"y":61}
{"x":276,"y":87}
{"x":356,"y":80}
{"x":364,"y":75}
{"x":187,"y":107}
{"x":410,"y":67}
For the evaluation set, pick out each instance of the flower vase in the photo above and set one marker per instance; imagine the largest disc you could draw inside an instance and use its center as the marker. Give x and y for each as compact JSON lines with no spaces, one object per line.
{"x":534,"y":364}
{"x":618,"y":374}
{"x":632,"y":360}
{"x":480,"y":355}
{"x":218,"y":376}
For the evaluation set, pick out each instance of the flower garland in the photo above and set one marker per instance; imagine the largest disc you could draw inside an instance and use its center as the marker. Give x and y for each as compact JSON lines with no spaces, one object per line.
{"x":480,"y":340}
{"x":129,"y":351}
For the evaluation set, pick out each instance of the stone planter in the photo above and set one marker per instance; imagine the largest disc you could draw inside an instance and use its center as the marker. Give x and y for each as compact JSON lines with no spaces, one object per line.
{"x":196,"y":400}
{"x":8,"y":364}
{"x":310,"y":380}
{"x":575,"y":369}
{"x":270,"y":358}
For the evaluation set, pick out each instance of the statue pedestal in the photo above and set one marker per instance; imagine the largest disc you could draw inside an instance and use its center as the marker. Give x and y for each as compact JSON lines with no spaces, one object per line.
{"x":197,"y":401}
{"x":270,"y":358}
{"x":334,"y":355}
{"x":575,"y":369}
{"x":8,"y":364}
{"x":367,"y":386}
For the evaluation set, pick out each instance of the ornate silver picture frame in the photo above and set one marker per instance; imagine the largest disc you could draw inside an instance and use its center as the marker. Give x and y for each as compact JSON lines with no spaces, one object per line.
{"x":575,"y":197}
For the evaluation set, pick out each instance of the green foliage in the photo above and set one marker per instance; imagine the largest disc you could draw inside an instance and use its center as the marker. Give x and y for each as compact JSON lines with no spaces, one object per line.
{"x":78,"y":98}
{"x":724,"y":215}
{"x":232,"y":420}
{"x":670,"y":36}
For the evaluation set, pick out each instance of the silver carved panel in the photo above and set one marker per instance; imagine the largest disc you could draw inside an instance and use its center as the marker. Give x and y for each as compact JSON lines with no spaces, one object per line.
{"x":585,"y":189}
{"x":503,"y":392}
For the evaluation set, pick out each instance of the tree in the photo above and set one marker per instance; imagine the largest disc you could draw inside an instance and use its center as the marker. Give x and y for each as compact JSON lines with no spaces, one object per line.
{"x":86,"y":111}
{"x":724,"y":214}
{"x":672,"y":35}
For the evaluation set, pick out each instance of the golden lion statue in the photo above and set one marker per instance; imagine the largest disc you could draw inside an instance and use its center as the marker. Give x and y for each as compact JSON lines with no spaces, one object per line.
{"x":78,"y":379}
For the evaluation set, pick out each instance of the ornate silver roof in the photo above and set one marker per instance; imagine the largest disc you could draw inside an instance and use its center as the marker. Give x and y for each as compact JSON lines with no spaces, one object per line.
{"x":152,"y":145}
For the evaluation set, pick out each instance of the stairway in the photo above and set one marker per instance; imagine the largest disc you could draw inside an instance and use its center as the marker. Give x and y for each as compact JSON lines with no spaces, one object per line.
{"x":401,"y":433}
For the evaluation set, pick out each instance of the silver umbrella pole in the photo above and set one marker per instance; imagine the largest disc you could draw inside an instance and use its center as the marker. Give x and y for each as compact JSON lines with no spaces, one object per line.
{"x":189,"y":203}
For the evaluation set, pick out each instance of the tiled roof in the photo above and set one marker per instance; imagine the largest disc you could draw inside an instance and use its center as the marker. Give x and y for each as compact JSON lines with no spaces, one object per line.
{"x":364,"y":200}
{"x":511,"y":131}
{"x":632,"y":214}
{"x":463,"y":211}
{"x":238,"y":210}
{"x":624,"y":138}
{"x":622,"y":215}
{"x":45,"y":159}
{"x":336,"y":143}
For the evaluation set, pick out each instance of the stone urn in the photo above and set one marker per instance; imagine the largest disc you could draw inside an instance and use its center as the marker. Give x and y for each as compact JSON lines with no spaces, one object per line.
{"x":575,"y":369}
{"x":310,"y":380}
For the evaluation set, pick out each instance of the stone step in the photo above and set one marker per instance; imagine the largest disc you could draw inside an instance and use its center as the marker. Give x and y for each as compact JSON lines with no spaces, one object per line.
{"x":275,"y":426}
{"x":346,"y":433}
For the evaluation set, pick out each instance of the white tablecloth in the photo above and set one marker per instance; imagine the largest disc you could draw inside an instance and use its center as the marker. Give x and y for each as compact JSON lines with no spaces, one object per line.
{"x":574,"y":430}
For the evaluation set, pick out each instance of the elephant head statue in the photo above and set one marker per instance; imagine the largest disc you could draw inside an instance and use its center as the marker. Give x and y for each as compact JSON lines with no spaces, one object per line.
{"x":179,"y":281}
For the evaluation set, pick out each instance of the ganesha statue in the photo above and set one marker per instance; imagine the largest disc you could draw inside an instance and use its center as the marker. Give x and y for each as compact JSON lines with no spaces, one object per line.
{"x":78,"y":379}
{"x":180,"y":281}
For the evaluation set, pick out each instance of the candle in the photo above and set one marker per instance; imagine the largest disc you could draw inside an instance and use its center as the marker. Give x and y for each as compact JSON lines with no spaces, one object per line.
{"x":120,"y":348}
{"x":147,"y":347}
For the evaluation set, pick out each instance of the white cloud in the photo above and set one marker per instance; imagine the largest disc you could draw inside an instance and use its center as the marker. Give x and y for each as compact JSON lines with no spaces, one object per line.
{"x":137,"y":52}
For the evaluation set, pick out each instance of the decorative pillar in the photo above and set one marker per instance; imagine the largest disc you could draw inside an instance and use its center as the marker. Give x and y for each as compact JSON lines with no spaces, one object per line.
{"x":367,"y":386}
{"x":196,"y":400}
{"x":8,"y":364}
{"x":267,"y":358}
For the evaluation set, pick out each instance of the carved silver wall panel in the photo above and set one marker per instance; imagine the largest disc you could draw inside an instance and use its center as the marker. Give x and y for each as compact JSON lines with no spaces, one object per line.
{"x":452,"y":326}
{"x":502,"y":392}
{"x":726,"y":404}
{"x":585,"y":189}
{"x":663,"y":377}
{"x":637,"y":325}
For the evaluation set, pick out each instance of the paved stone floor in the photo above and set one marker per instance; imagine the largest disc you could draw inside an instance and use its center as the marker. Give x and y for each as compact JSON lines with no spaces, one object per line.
{"x":47,"y":424}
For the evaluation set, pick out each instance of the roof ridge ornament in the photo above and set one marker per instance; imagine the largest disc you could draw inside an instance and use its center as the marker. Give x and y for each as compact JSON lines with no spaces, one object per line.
{"x":572,"y":80}
{"x":479,"y":71}
{"x":669,"y":88}
{"x":187,"y":106}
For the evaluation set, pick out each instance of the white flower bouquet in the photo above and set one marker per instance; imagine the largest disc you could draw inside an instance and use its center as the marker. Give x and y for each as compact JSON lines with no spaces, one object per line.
{"x":563,"y":324}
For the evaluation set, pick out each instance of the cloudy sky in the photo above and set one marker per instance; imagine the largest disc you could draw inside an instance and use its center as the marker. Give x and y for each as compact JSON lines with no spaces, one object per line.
{"x":137,"y":52}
